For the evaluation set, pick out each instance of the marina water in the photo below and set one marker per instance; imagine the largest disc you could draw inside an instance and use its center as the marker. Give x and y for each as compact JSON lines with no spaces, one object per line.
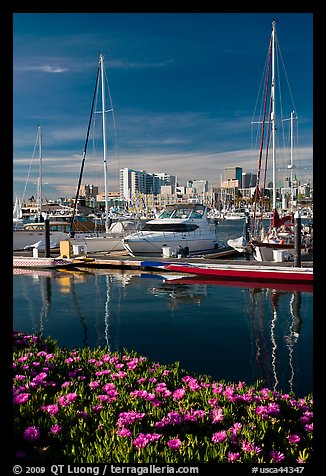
{"x":233,"y":333}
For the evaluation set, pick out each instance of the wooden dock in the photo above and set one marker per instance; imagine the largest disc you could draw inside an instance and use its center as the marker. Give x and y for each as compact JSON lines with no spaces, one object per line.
{"x":208,"y":266}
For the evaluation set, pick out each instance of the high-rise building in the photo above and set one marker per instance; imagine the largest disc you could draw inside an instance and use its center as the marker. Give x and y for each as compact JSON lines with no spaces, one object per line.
{"x":140,"y":181}
{"x":200,"y":186}
{"x":248,"y":180}
{"x":232,"y":174}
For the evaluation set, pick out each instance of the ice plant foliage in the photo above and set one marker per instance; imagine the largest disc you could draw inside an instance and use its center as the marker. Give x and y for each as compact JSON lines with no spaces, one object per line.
{"x":90,"y":406}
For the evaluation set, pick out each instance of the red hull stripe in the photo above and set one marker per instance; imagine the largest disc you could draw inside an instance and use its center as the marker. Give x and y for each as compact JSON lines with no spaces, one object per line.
{"x":248,"y":274}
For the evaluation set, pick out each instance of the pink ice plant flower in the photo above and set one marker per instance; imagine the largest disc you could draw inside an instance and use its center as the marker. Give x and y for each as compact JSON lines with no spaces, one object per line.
{"x":55,"y":429}
{"x":219,"y":436}
{"x":276,"y":456}
{"x":66,"y":400}
{"x":194,"y":415}
{"x":179,"y":393}
{"x":50,"y":409}
{"x":233,"y":456}
{"x":294,"y":439}
{"x":128,"y":418}
{"x":31,"y":433}
{"x":140,"y":441}
{"x":124,"y":432}
{"x":174,"y":444}
{"x":21,"y":398}
{"x":216,"y":415}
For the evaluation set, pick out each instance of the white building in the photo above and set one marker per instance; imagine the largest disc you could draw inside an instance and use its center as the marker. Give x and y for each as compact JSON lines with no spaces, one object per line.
{"x":140,"y":181}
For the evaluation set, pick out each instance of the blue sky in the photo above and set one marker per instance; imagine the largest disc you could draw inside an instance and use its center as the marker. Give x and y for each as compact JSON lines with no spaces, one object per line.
{"x":184,"y":87}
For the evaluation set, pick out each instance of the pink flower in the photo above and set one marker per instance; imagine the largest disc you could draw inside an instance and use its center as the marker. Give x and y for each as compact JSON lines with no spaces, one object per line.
{"x":179,"y":393}
{"x":294,"y":439}
{"x":31,"y":433}
{"x":233,"y":456}
{"x":123,"y":432}
{"x":309,"y":427}
{"x":55,"y":429}
{"x":140,"y":441}
{"x":273,"y":409}
{"x":21,"y":398}
{"x":217,"y":388}
{"x":51,"y":409}
{"x":174,"y":444}
{"x":20,"y":377}
{"x":66,"y":400}
{"x":153,"y":436}
{"x":216,"y":414}
{"x":276,"y":456}
{"x":108,"y":386}
{"x":219,"y":436}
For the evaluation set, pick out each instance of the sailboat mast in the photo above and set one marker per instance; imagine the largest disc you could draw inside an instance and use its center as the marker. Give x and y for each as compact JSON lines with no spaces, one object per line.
{"x":104,"y":146}
{"x":291,"y":161}
{"x":273,"y":112}
{"x":40,"y":179}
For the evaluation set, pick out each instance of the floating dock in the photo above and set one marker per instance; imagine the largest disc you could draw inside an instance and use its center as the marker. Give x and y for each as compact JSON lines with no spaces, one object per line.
{"x":41,"y":262}
{"x":204,"y":268}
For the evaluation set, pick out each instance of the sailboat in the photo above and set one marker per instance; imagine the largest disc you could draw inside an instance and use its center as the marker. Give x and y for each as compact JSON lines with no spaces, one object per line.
{"x":111,"y":238}
{"x":17,"y":211}
{"x":277,"y":241}
{"x":33,"y":234}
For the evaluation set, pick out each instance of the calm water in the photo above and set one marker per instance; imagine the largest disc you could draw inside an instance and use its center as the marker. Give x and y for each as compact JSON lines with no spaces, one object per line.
{"x":230,"y":332}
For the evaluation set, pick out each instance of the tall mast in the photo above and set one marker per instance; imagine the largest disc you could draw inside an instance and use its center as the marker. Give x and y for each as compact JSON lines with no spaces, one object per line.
{"x":291,"y":161}
{"x":40,"y":179}
{"x":104,"y":146}
{"x":273,"y":112}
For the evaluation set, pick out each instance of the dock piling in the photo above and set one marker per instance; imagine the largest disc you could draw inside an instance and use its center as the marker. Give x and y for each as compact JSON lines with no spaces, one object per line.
{"x":47,"y":236}
{"x":297,"y":239}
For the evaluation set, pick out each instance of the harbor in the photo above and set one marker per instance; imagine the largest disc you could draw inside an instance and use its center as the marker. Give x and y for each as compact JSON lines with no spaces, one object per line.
{"x":163,"y":278}
{"x":169,"y":316}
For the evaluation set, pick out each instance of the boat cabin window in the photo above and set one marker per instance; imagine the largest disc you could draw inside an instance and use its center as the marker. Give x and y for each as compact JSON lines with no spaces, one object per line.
{"x":171,"y":227}
{"x":182,"y":213}
{"x":33,"y":227}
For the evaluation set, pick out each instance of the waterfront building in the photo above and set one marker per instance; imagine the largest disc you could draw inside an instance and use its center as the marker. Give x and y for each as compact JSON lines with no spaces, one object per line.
{"x":248,"y":180}
{"x":133,"y":182}
{"x":200,"y":186}
{"x":233,"y":174}
{"x":88,"y":191}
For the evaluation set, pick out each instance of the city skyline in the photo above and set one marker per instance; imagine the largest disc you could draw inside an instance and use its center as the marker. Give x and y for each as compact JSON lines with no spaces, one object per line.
{"x":183,"y":88}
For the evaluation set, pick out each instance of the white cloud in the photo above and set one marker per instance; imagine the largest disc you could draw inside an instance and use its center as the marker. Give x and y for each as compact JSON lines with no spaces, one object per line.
{"x":61,"y":173}
{"x":44,"y":69}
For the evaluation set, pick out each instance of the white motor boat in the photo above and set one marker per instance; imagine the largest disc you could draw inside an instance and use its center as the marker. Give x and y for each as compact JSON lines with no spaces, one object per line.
{"x":180,"y":229}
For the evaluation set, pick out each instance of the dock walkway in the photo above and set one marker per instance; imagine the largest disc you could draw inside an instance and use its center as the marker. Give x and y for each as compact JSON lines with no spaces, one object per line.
{"x":120,"y":259}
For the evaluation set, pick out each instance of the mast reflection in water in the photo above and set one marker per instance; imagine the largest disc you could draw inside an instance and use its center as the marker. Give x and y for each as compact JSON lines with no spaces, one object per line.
{"x":275,"y":334}
{"x":226,"y":330}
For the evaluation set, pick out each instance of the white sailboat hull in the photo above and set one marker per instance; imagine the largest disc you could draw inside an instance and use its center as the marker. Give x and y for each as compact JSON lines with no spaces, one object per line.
{"x":104,"y":243}
{"x":22,"y":239}
{"x":276,"y":252}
